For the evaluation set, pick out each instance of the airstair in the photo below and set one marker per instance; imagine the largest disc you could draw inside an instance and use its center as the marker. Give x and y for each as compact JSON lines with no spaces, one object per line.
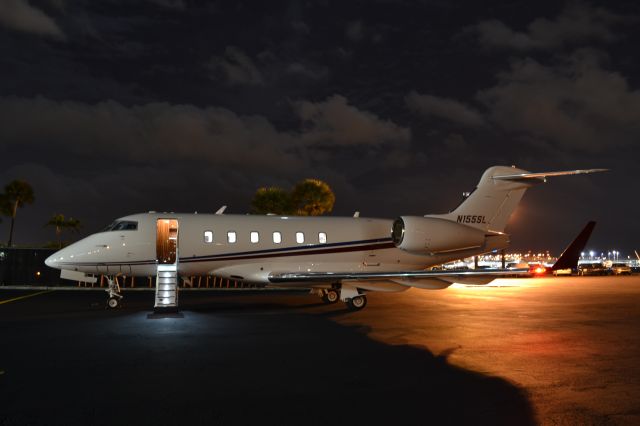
{"x":167,"y":288}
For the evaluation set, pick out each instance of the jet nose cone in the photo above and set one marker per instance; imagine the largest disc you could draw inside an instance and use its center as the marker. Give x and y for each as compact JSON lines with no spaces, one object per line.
{"x":52,"y":261}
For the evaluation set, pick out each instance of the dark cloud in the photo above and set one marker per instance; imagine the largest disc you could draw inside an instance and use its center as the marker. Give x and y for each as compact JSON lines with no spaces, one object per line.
{"x":355,"y":31}
{"x":301,"y":27}
{"x":335,"y":122}
{"x":162,"y":132}
{"x":444,"y":108}
{"x":236,"y":67}
{"x":171,"y":4}
{"x":301,"y":70}
{"x":183,"y":106}
{"x":576,"y":104}
{"x":579,"y":22}
{"x":20,"y":15}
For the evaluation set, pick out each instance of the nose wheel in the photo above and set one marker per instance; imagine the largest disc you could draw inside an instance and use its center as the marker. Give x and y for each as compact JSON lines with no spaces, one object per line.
{"x":114,"y":293}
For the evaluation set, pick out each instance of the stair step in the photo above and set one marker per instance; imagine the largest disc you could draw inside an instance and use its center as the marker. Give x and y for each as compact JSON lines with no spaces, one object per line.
{"x":166,"y":286}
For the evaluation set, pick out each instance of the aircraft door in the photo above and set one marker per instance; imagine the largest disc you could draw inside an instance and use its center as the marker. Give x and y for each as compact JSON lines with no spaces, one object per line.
{"x":167,"y":241}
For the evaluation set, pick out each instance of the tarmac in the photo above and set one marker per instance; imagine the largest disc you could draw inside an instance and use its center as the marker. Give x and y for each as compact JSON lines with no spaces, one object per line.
{"x":558,"y":351}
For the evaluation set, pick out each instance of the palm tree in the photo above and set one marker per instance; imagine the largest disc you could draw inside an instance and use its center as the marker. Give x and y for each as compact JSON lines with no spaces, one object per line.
{"x":312,"y":197}
{"x":60,"y":223}
{"x":271,"y":200}
{"x":16,"y":194}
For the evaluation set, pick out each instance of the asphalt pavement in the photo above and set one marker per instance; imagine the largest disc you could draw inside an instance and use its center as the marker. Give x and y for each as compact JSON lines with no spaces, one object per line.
{"x":523,"y":351}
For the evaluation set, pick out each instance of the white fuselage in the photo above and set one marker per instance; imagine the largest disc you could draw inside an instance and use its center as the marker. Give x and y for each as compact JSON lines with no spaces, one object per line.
{"x":282,"y":244}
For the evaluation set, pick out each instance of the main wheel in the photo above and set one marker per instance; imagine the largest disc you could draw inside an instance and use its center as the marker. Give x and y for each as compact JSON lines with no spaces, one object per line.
{"x":331,"y":296}
{"x":357,"y":303}
{"x":113,"y":302}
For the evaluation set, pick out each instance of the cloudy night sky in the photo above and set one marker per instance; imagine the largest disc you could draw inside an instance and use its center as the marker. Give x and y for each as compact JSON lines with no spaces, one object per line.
{"x":115,"y":107}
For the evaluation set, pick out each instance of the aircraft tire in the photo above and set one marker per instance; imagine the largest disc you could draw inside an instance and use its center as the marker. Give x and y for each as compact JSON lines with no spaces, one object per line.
{"x":113,"y":303}
{"x":331,"y":296}
{"x":357,"y":303}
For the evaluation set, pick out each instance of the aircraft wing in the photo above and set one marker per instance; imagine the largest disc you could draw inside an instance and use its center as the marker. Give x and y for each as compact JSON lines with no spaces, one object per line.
{"x":405,"y":276}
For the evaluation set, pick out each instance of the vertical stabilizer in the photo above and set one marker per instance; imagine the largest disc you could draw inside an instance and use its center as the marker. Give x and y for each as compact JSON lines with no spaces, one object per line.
{"x":497,"y":195}
{"x":493,"y":201}
{"x":570,"y":256}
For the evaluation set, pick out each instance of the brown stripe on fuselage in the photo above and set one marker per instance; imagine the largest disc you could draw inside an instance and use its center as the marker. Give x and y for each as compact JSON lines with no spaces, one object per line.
{"x":296,"y":253}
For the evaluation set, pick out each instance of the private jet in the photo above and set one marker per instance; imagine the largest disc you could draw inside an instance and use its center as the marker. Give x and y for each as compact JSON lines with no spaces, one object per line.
{"x":336,"y":258}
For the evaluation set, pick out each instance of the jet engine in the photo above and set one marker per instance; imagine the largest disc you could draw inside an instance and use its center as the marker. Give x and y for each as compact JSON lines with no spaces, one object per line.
{"x":428,"y":235}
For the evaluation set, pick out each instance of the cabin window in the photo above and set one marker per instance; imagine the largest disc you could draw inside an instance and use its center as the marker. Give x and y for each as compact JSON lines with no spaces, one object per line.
{"x":208,"y":237}
{"x":122,"y":225}
{"x":322,"y":237}
{"x":300,"y":237}
{"x":277,"y":237}
{"x":255,"y":237}
{"x":231,"y":237}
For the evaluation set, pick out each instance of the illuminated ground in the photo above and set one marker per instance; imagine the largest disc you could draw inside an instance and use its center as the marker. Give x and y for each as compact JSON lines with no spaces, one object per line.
{"x":549,"y":351}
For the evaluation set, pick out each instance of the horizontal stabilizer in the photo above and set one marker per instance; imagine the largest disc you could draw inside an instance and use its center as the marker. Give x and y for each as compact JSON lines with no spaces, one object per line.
{"x":545,"y":175}
{"x":569,"y":257}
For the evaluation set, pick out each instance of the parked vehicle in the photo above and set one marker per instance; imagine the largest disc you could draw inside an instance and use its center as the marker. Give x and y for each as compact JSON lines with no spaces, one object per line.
{"x":620,"y":269}
{"x":566,"y":271}
{"x":593,"y":269}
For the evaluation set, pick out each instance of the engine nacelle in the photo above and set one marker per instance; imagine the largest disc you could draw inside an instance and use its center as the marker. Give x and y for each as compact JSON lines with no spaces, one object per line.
{"x":427,"y":235}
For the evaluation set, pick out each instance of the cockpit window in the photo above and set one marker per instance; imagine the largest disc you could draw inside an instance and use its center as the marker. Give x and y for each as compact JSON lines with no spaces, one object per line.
{"x":122,"y":225}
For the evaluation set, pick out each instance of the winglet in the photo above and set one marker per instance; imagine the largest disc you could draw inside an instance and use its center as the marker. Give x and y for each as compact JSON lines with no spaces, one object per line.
{"x":544,"y":175}
{"x":221,"y":210}
{"x":569,"y":257}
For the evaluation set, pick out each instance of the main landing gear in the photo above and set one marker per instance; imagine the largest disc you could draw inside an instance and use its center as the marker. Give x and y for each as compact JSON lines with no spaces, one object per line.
{"x":353,"y":297}
{"x":114,"y":293}
{"x":354,"y":300}
{"x":357,"y":303}
{"x":330,"y":296}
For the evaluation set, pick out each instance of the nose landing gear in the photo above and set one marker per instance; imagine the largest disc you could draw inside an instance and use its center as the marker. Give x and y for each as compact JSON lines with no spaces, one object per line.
{"x":114,"y":293}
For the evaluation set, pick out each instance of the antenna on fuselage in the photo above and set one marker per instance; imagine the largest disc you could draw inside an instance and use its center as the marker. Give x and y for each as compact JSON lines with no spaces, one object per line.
{"x":221,"y":210}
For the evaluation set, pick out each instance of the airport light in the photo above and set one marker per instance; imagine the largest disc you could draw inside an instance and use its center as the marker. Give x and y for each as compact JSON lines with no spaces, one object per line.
{"x":591,"y":253}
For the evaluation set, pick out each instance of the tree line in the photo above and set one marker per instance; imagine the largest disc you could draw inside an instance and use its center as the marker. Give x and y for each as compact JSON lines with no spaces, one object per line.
{"x":19,"y":193}
{"x":309,"y":197}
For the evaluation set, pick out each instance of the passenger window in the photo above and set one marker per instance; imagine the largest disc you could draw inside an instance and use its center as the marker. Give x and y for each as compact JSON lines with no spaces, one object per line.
{"x":208,"y":237}
{"x":322,"y":237}
{"x":277,"y":237}
{"x":124,"y":225}
{"x":231,"y":237}
{"x":255,"y":237}
{"x":299,"y":237}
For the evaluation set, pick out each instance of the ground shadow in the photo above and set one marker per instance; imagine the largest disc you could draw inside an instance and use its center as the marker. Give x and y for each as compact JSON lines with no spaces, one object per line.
{"x":262,"y":364}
